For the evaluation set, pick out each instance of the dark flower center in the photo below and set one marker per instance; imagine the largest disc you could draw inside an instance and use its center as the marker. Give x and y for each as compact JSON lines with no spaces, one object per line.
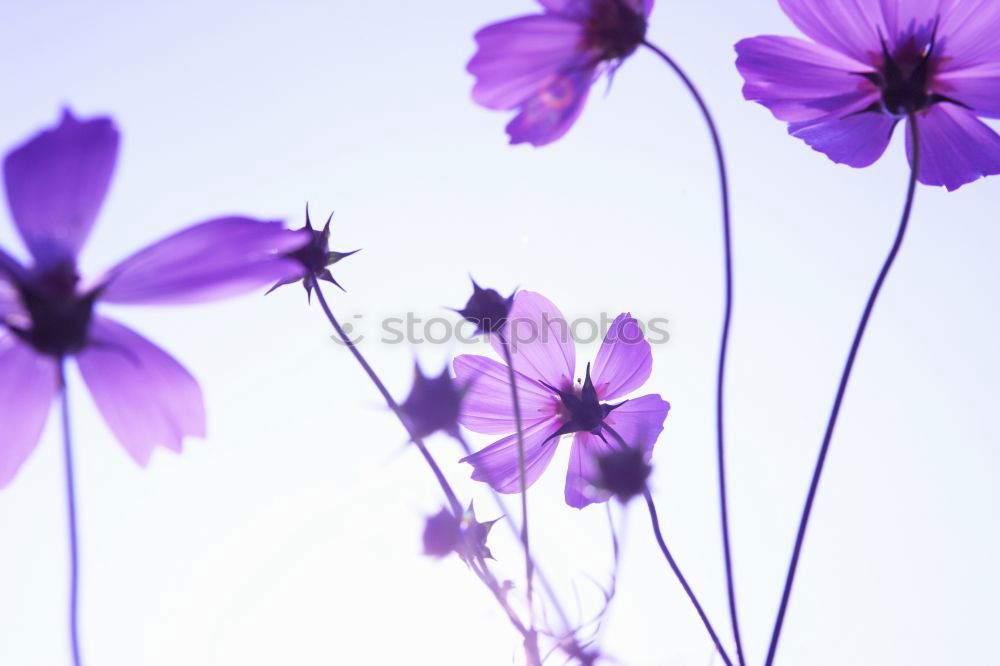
{"x":615,"y":29}
{"x":314,"y":255}
{"x":904,"y":78}
{"x":60,"y":316}
{"x":584,"y":410}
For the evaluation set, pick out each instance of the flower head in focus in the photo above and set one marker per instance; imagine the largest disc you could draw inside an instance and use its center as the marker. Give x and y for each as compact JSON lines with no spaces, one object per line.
{"x":873,"y":63}
{"x":55,"y":184}
{"x":487,"y":309}
{"x":553,"y":404}
{"x":544,"y":64}
{"x":315,"y":256}
{"x":433,"y":405}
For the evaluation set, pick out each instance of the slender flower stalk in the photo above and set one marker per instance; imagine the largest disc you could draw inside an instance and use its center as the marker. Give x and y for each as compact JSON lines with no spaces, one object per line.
{"x":389,"y":400}
{"x":654,"y":518}
{"x":844,"y":378}
{"x":74,"y":556}
{"x":478,"y":565}
{"x":724,"y":342}
{"x":525,"y":541}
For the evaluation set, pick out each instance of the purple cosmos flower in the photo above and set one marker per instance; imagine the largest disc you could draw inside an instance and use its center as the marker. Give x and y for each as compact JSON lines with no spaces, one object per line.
{"x":56,"y":183}
{"x":544,"y":64}
{"x":316,"y":258}
{"x":552,"y":404}
{"x":871,"y":64}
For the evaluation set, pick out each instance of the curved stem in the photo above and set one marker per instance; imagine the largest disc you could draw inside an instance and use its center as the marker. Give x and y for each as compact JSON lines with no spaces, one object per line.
{"x":842,"y":388}
{"x":74,"y":556}
{"x":390,"y":401}
{"x":528,"y":566}
{"x":506,"y":518}
{"x":724,"y":342}
{"x":670,"y":558}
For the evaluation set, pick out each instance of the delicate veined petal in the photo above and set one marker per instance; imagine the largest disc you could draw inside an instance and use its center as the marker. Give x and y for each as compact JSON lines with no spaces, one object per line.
{"x":56,"y":183}
{"x":520,"y":57}
{"x":624,"y":361}
{"x":10,"y":302}
{"x":955,"y":147}
{"x":976,"y":87}
{"x":215,"y":259}
{"x":488,"y":406}
{"x":498,"y":463}
{"x":857,"y":140}
{"x":548,"y":115}
{"x":800,"y":81}
{"x":28,"y":384}
{"x":540,"y":341}
{"x":968,"y":34}
{"x":146,"y":397}
{"x":849,"y":26}
{"x":640,"y":421}
{"x":583,"y":470}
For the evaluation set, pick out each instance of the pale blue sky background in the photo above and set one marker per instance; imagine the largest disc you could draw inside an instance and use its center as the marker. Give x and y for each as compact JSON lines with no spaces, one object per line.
{"x":292,"y":534}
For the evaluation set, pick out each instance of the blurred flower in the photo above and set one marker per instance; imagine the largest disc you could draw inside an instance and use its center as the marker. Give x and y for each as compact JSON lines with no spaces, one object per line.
{"x":56,"y":183}
{"x":623,"y":473}
{"x":553,"y":405}
{"x":445,"y":533}
{"x":442,"y":533}
{"x":544,"y":64}
{"x":487,"y":309}
{"x":315,"y":256}
{"x":873,"y":63}
{"x":433,"y":404}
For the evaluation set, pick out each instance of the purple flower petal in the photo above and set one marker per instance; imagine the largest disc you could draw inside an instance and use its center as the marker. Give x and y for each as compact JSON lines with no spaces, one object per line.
{"x":583,"y":470}
{"x":215,"y":259}
{"x":146,"y":397}
{"x":548,"y":115}
{"x":540,"y":341}
{"x":518,"y":58}
{"x":488,"y":406}
{"x":577,"y":9}
{"x":955,"y":147}
{"x":624,"y":361}
{"x":848,"y":26}
{"x":56,"y":183}
{"x":976,"y":87}
{"x":856,"y":140}
{"x":640,"y":421}
{"x":28,"y":384}
{"x":801,"y":81}
{"x":497,"y":464}
{"x":968,"y":34}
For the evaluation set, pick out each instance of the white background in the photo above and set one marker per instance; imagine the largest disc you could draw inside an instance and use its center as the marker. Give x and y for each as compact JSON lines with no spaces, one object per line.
{"x":291,"y":536}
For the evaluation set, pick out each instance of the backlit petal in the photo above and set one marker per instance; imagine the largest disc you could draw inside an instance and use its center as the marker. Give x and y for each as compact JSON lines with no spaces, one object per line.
{"x":540,"y":341}
{"x":498,"y":463}
{"x":56,"y":183}
{"x":488,"y":406}
{"x":216,"y":259}
{"x":146,"y":397}
{"x":28,"y":384}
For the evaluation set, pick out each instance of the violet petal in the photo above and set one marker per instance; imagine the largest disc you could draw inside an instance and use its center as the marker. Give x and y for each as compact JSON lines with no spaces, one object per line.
{"x":216,"y":259}
{"x":146,"y":397}
{"x":28,"y":384}
{"x":56,"y":183}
